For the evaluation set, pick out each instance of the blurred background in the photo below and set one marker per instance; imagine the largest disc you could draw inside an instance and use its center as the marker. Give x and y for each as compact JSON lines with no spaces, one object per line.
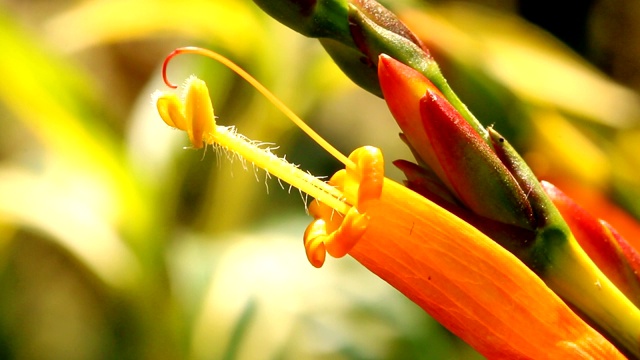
{"x":116,"y":242}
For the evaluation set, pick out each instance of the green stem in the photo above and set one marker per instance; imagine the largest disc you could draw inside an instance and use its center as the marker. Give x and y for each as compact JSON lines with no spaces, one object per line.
{"x":373,"y":40}
{"x":574,"y":277}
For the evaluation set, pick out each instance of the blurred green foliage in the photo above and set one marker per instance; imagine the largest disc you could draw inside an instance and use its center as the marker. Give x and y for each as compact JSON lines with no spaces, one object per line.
{"x":117,"y":243}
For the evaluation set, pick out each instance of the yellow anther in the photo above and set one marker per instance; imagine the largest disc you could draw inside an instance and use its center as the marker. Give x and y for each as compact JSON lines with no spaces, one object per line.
{"x":198,"y":112}
{"x":193,"y":115}
{"x":171,"y":110}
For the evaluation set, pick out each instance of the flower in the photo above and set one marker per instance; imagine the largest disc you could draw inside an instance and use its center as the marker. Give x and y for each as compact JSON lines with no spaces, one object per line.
{"x":464,"y":279}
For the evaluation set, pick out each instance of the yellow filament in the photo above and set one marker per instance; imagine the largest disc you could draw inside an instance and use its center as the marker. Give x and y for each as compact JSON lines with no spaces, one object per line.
{"x":272,"y":98}
{"x":263,"y":158}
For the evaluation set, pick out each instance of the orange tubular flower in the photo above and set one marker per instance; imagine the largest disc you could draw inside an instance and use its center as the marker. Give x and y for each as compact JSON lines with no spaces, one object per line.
{"x":466,"y":281}
{"x":492,"y":181}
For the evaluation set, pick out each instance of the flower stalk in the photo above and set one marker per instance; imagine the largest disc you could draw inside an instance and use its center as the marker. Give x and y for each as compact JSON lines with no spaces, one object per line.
{"x":617,"y":259}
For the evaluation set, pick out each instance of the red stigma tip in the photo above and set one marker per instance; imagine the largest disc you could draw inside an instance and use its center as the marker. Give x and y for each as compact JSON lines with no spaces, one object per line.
{"x":164,"y":68}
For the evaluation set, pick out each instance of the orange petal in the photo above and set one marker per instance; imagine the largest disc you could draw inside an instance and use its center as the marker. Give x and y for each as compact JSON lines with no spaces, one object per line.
{"x":468,"y":283}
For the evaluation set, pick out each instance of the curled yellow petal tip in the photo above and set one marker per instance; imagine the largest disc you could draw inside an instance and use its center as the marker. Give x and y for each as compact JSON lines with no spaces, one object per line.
{"x":360,"y":185}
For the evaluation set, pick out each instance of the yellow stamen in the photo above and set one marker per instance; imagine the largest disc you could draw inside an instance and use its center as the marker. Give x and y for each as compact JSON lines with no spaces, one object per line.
{"x":195,"y":116}
{"x":263,"y":90}
{"x":358,"y":185}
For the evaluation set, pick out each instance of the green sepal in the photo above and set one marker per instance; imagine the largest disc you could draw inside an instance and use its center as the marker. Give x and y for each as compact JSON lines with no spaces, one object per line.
{"x":544,"y":211}
{"x":374,"y":40}
{"x":565,"y":267}
{"x":552,"y":231}
{"x":311,"y":18}
{"x":354,"y":64}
